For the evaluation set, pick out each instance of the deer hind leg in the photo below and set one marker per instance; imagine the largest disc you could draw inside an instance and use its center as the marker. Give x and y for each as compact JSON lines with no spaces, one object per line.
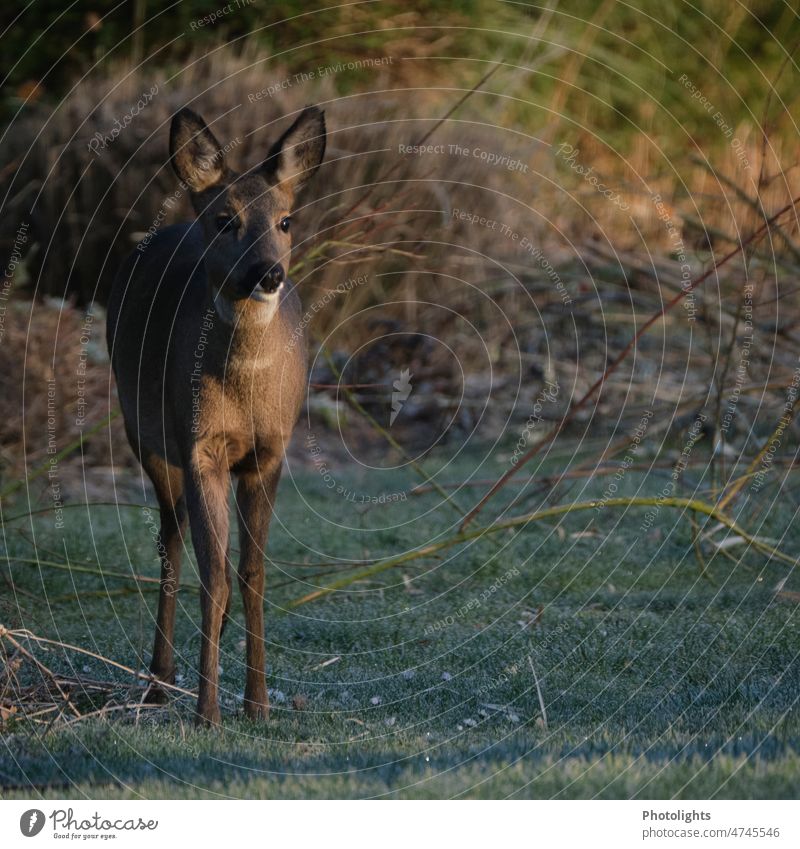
{"x":255,"y":498}
{"x":168,"y":483}
{"x":226,"y":615}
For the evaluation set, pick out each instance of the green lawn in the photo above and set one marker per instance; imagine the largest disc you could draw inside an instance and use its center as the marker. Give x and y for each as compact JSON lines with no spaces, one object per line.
{"x":658,"y":680}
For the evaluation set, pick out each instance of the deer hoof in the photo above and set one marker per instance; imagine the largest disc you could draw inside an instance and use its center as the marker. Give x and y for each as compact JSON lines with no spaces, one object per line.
{"x":156,"y":695}
{"x":256,"y":709}
{"x":208,"y":716}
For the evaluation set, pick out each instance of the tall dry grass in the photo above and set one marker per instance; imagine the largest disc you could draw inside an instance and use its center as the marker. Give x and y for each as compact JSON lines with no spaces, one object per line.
{"x":496,"y":291}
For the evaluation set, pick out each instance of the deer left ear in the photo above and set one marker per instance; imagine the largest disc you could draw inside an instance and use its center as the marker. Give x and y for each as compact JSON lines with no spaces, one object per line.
{"x":295,"y":157}
{"x":196,"y":155}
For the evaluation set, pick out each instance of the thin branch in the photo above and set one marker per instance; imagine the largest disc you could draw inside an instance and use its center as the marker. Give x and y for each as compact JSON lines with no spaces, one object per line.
{"x":8,"y":634}
{"x":737,"y":485}
{"x":692,"y":504}
{"x":539,"y":693}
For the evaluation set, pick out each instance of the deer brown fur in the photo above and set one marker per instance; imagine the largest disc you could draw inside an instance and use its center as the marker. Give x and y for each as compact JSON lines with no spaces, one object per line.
{"x":206,"y":343}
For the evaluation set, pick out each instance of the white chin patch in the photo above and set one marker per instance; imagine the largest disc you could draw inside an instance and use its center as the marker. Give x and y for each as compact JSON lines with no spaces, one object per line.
{"x":262,"y":306}
{"x":259,"y":307}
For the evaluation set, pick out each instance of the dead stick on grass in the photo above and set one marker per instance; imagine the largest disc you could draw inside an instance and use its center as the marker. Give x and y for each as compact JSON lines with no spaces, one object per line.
{"x":65,"y":452}
{"x":421,"y":141}
{"x":8,"y":634}
{"x":691,"y":504}
{"x":538,"y":693}
{"x":736,"y":485}
{"x":109,"y":708}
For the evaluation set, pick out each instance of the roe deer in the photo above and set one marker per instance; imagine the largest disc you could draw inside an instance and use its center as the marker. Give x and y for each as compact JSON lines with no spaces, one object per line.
{"x":206,"y":343}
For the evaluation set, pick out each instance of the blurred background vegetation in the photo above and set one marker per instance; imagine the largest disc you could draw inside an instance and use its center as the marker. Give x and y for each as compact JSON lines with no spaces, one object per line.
{"x":605,"y":77}
{"x":690,"y":104}
{"x":614,"y":51}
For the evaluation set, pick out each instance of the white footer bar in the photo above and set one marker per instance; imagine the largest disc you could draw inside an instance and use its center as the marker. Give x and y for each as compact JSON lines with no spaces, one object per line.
{"x":401,"y":825}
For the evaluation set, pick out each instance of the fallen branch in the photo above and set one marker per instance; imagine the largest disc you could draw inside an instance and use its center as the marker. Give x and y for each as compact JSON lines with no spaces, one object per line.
{"x":46,"y":702}
{"x":694,"y":505}
{"x":72,"y":568}
{"x":735,"y":486}
{"x":8,"y":634}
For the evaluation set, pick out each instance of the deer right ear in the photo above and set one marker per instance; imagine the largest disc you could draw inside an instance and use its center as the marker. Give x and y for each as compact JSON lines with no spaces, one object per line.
{"x":196,"y":155}
{"x":294,"y":159}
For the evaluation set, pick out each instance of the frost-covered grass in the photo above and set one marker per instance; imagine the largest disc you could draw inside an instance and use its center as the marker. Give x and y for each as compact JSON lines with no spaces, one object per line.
{"x":657,"y":681}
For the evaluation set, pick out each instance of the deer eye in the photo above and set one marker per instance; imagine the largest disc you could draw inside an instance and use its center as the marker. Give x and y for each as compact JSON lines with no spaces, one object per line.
{"x":285,"y":224}
{"x":228,"y":223}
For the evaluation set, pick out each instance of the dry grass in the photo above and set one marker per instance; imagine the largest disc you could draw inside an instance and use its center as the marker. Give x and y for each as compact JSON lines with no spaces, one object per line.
{"x":92,"y":208}
{"x":376,"y":215}
{"x":496,"y":312}
{"x":56,"y":384}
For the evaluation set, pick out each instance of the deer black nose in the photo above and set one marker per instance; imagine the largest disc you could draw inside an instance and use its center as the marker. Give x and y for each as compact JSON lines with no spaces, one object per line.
{"x":276,"y":275}
{"x":267,"y":278}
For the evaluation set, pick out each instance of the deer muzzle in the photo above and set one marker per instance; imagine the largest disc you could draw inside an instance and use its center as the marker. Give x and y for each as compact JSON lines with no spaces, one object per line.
{"x":264,"y":279}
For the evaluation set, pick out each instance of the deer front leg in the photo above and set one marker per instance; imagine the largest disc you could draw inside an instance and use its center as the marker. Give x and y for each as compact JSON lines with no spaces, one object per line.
{"x":168,"y":484}
{"x":207,"y":503}
{"x":170,"y":542}
{"x":255,"y":498}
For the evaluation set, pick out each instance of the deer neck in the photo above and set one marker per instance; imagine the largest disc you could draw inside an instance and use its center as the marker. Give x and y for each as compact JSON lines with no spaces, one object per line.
{"x":248,"y":329}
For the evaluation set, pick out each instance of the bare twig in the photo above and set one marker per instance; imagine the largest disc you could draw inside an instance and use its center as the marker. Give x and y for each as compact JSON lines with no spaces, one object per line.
{"x":539,"y":693}
{"x":11,"y":635}
{"x":736,"y":486}
{"x":687,"y":504}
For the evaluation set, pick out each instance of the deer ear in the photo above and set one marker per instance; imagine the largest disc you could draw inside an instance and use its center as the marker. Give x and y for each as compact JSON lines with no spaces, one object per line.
{"x":196,"y":155}
{"x":294,"y":158}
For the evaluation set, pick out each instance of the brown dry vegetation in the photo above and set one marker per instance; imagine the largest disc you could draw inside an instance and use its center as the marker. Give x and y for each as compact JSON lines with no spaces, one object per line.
{"x":56,"y":386}
{"x":391,"y":220}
